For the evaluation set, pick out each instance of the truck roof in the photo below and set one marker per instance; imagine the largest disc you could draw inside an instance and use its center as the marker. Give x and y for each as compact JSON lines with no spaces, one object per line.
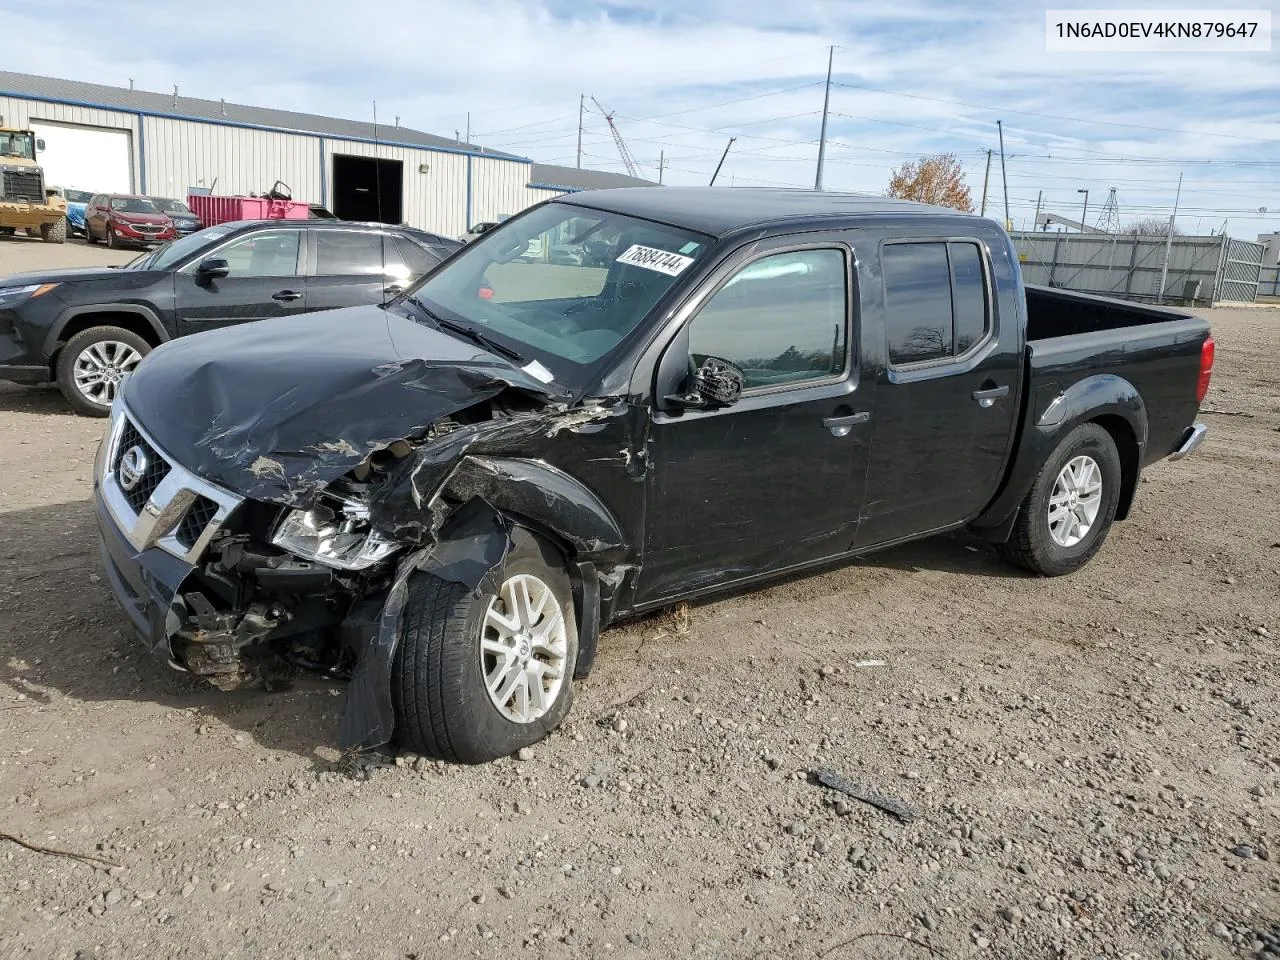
{"x":721,"y":210}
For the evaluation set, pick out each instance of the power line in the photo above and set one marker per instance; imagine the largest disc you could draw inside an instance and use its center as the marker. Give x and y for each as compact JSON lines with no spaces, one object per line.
{"x":1046,"y":116}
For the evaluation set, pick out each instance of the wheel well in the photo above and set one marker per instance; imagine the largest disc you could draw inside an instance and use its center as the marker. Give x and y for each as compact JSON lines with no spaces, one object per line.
{"x":133,"y":322}
{"x":1127,"y":446}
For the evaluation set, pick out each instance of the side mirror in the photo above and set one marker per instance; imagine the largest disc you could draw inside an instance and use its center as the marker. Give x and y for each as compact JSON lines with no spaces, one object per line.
{"x":213,"y":269}
{"x":716,"y":383}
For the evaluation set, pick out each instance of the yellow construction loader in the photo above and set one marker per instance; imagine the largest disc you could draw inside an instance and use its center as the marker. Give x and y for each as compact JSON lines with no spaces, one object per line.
{"x":26,"y":203}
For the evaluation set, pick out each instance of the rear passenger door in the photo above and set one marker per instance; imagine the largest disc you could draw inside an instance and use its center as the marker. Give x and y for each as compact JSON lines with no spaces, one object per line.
{"x":354,"y":267}
{"x":947,"y":394}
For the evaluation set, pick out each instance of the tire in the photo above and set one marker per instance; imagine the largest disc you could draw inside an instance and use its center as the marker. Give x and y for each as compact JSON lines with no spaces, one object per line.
{"x":88,"y":233}
{"x":54,"y":232}
{"x":7,"y":231}
{"x":112,"y":242}
{"x":442,"y":706}
{"x":112,"y":340}
{"x":1036,"y":543}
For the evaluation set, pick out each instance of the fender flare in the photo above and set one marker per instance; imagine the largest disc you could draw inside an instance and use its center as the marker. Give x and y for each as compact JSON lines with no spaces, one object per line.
{"x":54,"y":337}
{"x":547,"y":497}
{"x":1052,"y":414}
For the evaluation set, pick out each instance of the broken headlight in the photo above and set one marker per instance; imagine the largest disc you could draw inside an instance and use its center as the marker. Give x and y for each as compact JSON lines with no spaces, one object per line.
{"x":335,"y":532}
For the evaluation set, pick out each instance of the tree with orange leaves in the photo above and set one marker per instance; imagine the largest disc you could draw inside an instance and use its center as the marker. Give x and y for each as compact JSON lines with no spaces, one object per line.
{"x":935,"y":179}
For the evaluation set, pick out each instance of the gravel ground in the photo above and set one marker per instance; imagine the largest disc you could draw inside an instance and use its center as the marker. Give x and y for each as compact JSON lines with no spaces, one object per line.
{"x":1094,"y":759}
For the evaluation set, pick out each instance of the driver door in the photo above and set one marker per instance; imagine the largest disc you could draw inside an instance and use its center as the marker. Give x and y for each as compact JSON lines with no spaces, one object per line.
{"x":774,"y":480}
{"x":266,"y":280}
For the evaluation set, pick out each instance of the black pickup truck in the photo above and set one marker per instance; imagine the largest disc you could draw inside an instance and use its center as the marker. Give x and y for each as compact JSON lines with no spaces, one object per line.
{"x":448,"y":498}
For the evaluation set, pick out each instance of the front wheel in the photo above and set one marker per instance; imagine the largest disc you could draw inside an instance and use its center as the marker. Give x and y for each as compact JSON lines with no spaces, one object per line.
{"x":477,"y":678}
{"x":112,"y":242}
{"x":92,"y":364}
{"x":1065,"y":517}
{"x":54,"y":232}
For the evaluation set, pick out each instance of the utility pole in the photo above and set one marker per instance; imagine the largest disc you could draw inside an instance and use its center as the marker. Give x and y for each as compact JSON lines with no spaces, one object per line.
{"x":468,"y":126}
{"x":1168,"y":241}
{"x":1035,"y":224}
{"x":822,"y":137}
{"x":721,"y":163}
{"x":1004,"y":178}
{"x":1084,"y":214}
{"x":986,"y":177}
{"x":582,"y":99}
{"x":662,"y":163}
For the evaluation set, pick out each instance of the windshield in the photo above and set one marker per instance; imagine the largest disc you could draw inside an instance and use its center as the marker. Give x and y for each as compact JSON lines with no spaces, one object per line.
{"x":174,"y":252}
{"x":21,"y":145}
{"x":562,"y":284}
{"x":133,"y":205}
{"x":79,"y":196}
{"x":172,"y":206}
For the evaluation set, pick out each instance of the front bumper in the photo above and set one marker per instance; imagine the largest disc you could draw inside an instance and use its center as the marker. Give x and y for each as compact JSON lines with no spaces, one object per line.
{"x":131,"y":234}
{"x":152,"y":534}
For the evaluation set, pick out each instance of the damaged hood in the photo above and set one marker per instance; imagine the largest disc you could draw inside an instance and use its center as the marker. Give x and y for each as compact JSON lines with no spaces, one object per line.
{"x":277,"y":409}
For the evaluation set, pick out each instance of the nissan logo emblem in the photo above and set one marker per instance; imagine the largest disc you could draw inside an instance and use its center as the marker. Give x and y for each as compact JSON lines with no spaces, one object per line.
{"x":133,"y":465}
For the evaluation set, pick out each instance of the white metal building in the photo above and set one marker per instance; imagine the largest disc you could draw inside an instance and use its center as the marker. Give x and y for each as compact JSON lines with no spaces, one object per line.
{"x":110,"y":139}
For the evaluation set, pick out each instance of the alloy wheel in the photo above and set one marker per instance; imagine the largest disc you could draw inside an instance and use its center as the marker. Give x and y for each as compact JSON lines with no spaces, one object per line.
{"x":1075,"y":501}
{"x":101,"y":366}
{"x":523,"y":649}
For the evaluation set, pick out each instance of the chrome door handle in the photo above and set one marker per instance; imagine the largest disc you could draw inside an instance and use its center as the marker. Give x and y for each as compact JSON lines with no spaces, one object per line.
{"x":841,"y":426}
{"x":286,"y":295}
{"x":986,"y":398}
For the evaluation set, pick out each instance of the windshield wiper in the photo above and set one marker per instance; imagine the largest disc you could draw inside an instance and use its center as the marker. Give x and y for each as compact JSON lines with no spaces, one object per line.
{"x":475,"y":336}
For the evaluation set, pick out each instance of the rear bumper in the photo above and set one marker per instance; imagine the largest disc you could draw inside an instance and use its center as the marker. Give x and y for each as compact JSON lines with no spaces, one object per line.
{"x":1192,"y":439}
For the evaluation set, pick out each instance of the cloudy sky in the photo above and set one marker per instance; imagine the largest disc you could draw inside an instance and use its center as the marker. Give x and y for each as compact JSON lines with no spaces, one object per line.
{"x":682,"y":76}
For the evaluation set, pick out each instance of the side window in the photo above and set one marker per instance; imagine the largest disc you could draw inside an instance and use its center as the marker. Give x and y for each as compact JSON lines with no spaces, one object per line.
{"x":781,"y":319}
{"x":341,"y":253}
{"x":935,"y":300}
{"x":416,"y":259}
{"x":271,"y":253}
{"x":968,"y":295}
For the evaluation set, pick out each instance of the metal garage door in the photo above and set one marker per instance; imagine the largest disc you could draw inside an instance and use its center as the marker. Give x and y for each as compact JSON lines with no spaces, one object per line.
{"x":96,"y":159}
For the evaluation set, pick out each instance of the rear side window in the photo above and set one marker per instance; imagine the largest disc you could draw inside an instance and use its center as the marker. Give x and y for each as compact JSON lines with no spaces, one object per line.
{"x":418,"y":259}
{"x":782,"y":319}
{"x":342,"y":253}
{"x":935,"y":300}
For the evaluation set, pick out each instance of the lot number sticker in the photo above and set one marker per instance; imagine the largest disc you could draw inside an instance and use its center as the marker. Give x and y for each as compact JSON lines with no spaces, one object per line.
{"x":651,"y":258}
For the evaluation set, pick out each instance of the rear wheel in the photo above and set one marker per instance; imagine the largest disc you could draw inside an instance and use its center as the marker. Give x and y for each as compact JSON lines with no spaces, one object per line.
{"x":54,"y":232}
{"x":92,"y":364}
{"x":477,"y":678}
{"x":1067,"y":513}
{"x":88,"y":233}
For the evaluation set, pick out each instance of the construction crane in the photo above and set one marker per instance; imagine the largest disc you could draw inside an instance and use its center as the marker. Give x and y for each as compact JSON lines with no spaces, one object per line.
{"x":627,"y":160}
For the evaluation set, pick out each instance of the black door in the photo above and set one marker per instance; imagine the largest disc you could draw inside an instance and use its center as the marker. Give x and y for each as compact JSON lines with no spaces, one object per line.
{"x":774,"y":480}
{"x":354,"y":267}
{"x":266,"y":280}
{"x":947,"y":395}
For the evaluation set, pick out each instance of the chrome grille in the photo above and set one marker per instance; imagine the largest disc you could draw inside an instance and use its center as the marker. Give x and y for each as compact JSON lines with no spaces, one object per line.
{"x":197,"y":518}
{"x":156,"y":468}
{"x":167,"y":506}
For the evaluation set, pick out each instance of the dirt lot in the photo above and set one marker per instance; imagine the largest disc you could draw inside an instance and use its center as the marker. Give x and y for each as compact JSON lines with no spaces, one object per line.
{"x":1095,"y":759}
{"x":19,"y":254}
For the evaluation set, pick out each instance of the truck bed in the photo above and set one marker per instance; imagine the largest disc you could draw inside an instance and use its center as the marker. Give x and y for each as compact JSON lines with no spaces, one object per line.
{"x":1054,"y":312}
{"x":1072,"y":336}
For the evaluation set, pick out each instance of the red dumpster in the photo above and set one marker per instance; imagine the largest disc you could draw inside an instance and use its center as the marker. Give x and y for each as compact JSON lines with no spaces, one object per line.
{"x":214,"y":210}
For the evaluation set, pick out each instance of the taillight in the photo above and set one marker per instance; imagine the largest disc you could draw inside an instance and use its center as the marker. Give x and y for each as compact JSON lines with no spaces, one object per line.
{"x":1206,"y":369}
